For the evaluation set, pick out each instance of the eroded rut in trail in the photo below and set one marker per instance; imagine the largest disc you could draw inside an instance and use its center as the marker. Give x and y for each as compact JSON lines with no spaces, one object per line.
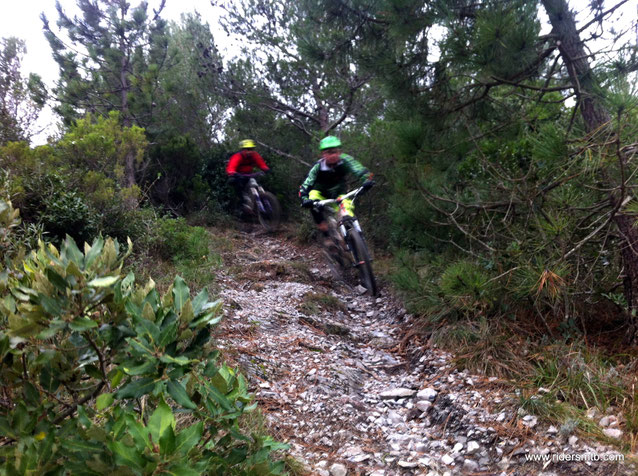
{"x":329,"y":372}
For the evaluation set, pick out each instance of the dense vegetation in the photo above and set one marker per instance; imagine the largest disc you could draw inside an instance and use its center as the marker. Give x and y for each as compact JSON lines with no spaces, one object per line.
{"x":505,"y":159}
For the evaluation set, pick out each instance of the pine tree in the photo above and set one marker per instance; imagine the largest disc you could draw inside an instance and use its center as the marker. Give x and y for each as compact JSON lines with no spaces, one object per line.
{"x":299,"y":64}
{"x":535,"y":190}
{"x":21,"y":99}
{"x":111,"y":62}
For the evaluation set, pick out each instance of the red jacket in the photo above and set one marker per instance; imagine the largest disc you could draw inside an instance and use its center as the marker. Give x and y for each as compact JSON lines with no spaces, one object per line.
{"x":244,"y":162}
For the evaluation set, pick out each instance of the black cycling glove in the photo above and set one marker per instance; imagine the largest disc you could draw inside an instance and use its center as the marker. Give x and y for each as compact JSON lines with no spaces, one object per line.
{"x":367,"y":184}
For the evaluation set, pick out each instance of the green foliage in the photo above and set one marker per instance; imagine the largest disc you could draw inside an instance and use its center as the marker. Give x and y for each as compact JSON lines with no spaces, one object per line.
{"x":489,"y":347}
{"x":505,"y":36}
{"x":578,"y":377}
{"x":21,"y":98}
{"x":177,"y":167}
{"x":306,"y":48}
{"x":108,"y":376}
{"x":467,"y":286}
{"x":214,"y":174}
{"x":313,"y":302}
{"x":192,"y":103}
{"x":77,"y":186}
{"x":125,"y":51}
{"x":47,"y":201}
{"x":102,"y":144}
{"x":67,"y":213}
{"x":175,"y":239}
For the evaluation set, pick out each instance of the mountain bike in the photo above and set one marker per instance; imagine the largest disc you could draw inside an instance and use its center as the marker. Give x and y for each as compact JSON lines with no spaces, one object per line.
{"x":260,"y":203}
{"x":348,"y":248}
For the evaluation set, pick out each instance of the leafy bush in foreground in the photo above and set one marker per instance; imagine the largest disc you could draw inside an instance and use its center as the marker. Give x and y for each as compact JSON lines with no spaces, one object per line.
{"x":103,"y":376}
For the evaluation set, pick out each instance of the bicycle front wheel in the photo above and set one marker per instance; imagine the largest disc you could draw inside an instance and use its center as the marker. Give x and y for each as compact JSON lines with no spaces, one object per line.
{"x":362,"y":261}
{"x":269,"y":213}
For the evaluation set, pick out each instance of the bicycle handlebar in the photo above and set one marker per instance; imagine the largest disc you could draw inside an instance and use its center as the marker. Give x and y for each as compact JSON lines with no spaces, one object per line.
{"x":353,"y":193}
{"x":252,"y":175}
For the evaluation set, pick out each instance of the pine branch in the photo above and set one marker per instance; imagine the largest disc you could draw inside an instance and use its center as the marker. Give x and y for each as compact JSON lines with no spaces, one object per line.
{"x":601,"y":15}
{"x":283,"y":154}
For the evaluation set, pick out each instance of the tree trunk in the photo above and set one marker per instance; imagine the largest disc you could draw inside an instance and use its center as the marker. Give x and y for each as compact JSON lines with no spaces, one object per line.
{"x":596,"y":117}
{"x":573,"y":53}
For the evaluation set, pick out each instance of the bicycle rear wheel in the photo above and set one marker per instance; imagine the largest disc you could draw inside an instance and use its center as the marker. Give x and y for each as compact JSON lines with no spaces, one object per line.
{"x":363,"y":261}
{"x":269,"y":214}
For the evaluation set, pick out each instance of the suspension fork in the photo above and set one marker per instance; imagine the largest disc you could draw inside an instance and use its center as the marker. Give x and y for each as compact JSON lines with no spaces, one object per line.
{"x":256,"y":199}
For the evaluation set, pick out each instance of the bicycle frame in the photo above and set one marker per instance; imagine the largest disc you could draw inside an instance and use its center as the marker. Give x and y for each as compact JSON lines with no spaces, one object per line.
{"x":263,"y":205}
{"x":252,"y":190}
{"x":350,"y":236}
{"x":343,"y":225}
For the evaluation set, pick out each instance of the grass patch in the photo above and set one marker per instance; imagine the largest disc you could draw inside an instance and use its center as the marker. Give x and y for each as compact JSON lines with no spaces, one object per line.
{"x":485,"y":347}
{"x":569,"y":417}
{"x":574,"y":377}
{"x":314,"y":303}
{"x":579,"y":376}
{"x":305,"y":232}
{"x":269,"y":269}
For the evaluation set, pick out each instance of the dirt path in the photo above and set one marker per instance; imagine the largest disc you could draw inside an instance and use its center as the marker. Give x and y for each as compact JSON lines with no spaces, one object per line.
{"x":327,"y":367}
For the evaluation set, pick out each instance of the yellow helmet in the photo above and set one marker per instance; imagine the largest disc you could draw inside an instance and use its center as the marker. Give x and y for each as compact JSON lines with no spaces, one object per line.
{"x":247,"y":144}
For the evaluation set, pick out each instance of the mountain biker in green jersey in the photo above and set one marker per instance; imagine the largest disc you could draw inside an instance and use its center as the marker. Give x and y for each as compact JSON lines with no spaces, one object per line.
{"x":328,"y":177}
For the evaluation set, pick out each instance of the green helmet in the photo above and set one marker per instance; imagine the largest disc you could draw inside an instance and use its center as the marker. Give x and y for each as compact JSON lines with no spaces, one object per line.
{"x":329,"y":142}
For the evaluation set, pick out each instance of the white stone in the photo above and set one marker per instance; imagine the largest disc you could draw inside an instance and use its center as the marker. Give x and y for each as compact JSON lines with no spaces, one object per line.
{"x":360,"y":458}
{"x":421,"y":447}
{"x":427,"y":394}
{"x":592,"y":413}
{"x":605,"y":421}
{"x":397,"y":393}
{"x":395,"y":417}
{"x":407,"y":464}
{"x":457,"y":447}
{"x":338,"y":469}
{"x":425,"y":461}
{"x":352,"y":451}
{"x":472,"y":447}
{"x":552,"y":430}
{"x":572,"y":440}
{"x":424,"y":405}
{"x":613,"y":432}
{"x":447,"y":459}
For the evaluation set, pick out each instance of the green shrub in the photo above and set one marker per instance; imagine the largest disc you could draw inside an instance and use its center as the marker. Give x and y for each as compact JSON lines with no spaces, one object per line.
{"x":103,"y":376}
{"x":47,"y":200}
{"x":175,"y":239}
{"x":466,"y":286}
{"x":67,"y":213}
{"x":176,"y":167}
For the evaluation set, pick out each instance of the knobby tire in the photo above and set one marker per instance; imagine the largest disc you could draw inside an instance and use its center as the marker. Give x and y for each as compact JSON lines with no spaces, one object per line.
{"x":363,"y":261}
{"x":270,"y":217}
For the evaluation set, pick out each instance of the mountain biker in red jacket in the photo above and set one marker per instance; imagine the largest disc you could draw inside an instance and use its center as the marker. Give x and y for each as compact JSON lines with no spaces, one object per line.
{"x":328,"y":177}
{"x":244,"y":162}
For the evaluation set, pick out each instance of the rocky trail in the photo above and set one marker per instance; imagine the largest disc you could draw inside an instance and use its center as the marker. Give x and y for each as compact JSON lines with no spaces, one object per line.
{"x":334,"y":380}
